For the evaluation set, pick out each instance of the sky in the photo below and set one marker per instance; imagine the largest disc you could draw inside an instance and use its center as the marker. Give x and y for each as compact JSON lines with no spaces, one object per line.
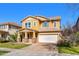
{"x":11,"y":12}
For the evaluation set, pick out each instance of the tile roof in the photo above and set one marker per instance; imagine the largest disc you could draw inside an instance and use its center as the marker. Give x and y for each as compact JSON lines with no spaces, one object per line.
{"x":10,"y":23}
{"x":55,"y":18}
{"x":27,"y":29}
{"x":42,"y":18}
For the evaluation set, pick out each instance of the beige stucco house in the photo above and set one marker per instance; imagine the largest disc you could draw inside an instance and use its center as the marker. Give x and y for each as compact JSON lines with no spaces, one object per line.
{"x":39,"y":29}
{"x":8,"y":28}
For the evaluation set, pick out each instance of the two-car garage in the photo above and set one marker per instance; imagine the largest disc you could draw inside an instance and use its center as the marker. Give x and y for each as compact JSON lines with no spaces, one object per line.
{"x":48,"y":37}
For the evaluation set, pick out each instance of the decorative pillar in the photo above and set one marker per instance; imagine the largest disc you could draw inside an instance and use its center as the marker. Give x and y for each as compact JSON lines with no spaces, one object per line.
{"x":7,"y":27}
{"x":34,"y":38}
{"x":18,"y":37}
{"x":34,"y":35}
{"x":25,"y":34}
{"x":0,"y":35}
{"x":26,"y":38}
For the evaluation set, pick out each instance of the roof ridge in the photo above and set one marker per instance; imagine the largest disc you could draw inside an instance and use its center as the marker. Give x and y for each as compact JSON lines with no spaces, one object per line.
{"x":42,"y":17}
{"x":35,"y":17}
{"x":10,"y":23}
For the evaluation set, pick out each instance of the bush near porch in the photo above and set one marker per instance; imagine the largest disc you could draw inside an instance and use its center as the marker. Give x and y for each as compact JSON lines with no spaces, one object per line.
{"x":13,"y":45}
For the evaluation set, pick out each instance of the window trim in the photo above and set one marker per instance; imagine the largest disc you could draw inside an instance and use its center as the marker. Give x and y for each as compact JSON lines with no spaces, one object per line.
{"x":29,"y":26}
{"x":54,"y":24}
{"x":34,"y":23}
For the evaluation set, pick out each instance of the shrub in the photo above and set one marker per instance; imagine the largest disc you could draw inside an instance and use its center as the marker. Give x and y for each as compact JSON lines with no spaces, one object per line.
{"x":64,"y":42}
{"x":71,"y":40}
{"x":77,"y":36}
{"x":3,"y":41}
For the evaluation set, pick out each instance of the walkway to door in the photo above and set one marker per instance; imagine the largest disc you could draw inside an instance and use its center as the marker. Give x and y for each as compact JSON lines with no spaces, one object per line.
{"x":33,"y":50}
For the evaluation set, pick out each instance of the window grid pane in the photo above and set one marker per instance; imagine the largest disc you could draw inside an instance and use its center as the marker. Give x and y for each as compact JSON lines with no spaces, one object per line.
{"x":45,"y":24}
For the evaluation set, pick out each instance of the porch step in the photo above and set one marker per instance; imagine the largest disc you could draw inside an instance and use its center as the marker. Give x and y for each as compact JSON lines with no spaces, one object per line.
{"x":30,"y":40}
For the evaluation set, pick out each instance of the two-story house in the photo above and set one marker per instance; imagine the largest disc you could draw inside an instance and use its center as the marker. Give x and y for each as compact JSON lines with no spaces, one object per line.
{"x":8,"y":28}
{"x":39,"y":29}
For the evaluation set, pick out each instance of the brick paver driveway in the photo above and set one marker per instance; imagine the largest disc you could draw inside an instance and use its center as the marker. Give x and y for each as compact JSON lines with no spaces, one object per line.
{"x":33,"y":50}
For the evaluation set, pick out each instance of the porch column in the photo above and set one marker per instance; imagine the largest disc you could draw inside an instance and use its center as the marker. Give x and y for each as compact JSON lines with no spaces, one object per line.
{"x":0,"y":35}
{"x":34,"y":37}
{"x":26,"y":38}
{"x":18,"y":37}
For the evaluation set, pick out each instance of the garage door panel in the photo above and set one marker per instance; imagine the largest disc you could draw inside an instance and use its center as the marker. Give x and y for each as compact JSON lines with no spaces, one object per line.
{"x":48,"y":38}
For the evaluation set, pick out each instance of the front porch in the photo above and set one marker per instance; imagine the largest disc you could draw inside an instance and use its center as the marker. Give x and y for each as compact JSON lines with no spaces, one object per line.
{"x":3,"y":35}
{"x":27,"y":36}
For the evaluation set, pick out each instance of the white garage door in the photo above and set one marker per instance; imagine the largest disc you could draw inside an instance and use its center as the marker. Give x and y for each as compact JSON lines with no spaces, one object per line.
{"x":47,"y":38}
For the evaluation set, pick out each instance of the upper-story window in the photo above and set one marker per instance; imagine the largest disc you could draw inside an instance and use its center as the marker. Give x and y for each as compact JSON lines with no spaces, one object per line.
{"x":28,"y":24}
{"x":35,"y":23}
{"x":54,"y":23}
{"x":45,"y":24}
{"x":12,"y":27}
{"x":3,"y":26}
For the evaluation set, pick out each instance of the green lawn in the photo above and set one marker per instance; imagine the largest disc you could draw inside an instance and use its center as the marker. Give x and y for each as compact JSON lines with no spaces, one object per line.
{"x":68,"y":50}
{"x":3,"y":52}
{"x":13,"y":45}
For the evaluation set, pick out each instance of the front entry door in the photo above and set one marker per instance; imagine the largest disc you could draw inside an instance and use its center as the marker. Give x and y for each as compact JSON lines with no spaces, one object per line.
{"x":30,"y":35}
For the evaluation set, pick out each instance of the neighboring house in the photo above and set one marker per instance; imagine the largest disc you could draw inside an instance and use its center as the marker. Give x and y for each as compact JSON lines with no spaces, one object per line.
{"x":40,"y":29}
{"x":8,"y":28}
{"x":76,"y":26}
